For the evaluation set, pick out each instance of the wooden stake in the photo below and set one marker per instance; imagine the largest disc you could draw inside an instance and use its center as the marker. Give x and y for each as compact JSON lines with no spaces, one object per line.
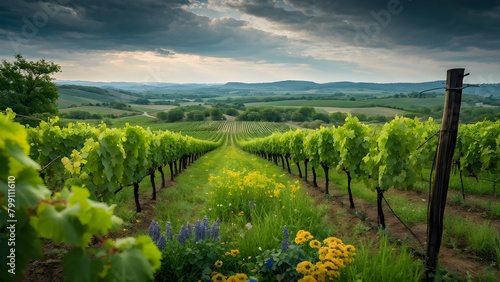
{"x":447,"y":142}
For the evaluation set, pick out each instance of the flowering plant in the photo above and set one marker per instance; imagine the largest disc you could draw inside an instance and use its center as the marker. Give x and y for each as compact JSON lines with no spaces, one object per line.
{"x":306,"y":260}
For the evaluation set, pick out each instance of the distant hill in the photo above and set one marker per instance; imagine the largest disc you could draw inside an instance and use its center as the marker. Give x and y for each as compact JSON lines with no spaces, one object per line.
{"x":287,"y":85}
{"x":79,"y":94}
{"x":132,"y":88}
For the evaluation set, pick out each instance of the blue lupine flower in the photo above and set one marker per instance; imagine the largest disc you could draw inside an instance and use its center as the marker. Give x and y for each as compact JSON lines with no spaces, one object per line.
{"x":199,"y":231}
{"x":269,"y":263}
{"x":154,"y":231}
{"x":252,"y":279}
{"x":286,"y":234}
{"x":161,"y":242}
{"x":189,"y":230}
{"x":168,"y":232}
{"x":183,"y":234}
{"x":214,"y":232}
{"x":205,"y":224}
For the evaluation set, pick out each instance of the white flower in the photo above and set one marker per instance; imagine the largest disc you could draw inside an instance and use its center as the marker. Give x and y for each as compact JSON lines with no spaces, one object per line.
{"x":248,"y":226}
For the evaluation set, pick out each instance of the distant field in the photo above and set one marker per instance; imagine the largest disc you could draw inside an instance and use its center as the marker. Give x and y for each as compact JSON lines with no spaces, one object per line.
{"x":314,"y":103}
{"x":366,"y":111}
{"x":96,"y":110}
{"x":398,"y":102}
{"x":370,"y":111}
{"x":146,"y":108}
{"x":68,"y":97}
{"x":410,"y":102}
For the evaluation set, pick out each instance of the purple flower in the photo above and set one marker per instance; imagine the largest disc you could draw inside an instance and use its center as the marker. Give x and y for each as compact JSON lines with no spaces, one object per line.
{"x":199,"y":231}
{"x":286,"y":235}
{"x":205,"y":224}
{"x":168,"y":231}
{"x":189,"y":227}
{"x":183,"y":234}
{"x":214,"y":232}
{"x":269,"y":263}
{"x":161,"y":242}
{"x":154,"y":231}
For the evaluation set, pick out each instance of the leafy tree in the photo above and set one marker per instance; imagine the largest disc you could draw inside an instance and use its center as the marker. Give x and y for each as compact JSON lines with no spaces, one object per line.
{"x":175,"y":115}
{"x":26,"y":86}
{"x":298,"y":117}
{"x":118,"y":105}
{"x":142,"y":101}
{"x":232,"y":112}
{"x":162,"y":115}
{"x":338,"y":117}
{"x":196,"y":116}
{"x":307,"y":112}
{"x":271,"y":115}
{"x":322,"y":116}
{"x":216,"y":114}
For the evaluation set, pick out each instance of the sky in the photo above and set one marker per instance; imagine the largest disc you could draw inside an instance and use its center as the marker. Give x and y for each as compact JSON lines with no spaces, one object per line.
{"x":215,"y":41}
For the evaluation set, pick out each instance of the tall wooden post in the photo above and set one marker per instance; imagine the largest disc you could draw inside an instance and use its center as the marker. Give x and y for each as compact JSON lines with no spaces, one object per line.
{"x":447,"y":142}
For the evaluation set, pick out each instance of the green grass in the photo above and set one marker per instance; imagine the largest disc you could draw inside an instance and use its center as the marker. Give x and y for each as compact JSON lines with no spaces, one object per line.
{"x":192,"y":197}
{"x":481,"y":239}
{"x":97,"y":110}
{"x":383,"y":261}
{"x":400,"y":103}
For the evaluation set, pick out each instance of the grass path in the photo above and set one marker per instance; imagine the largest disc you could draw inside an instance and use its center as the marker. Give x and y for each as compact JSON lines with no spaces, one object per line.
{"x":189,"y":198}
{"x":187,"y":201}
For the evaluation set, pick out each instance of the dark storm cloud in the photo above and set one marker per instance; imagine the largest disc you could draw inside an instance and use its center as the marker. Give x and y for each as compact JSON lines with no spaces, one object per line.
{"x":129,"y":26}
{"x":433,"y":24}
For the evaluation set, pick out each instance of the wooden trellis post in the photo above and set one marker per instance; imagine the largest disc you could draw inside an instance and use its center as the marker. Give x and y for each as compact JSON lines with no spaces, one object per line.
{"x":447,"y":142}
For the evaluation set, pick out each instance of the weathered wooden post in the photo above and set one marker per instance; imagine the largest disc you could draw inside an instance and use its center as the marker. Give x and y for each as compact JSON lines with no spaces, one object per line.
{"x":447,"y":142}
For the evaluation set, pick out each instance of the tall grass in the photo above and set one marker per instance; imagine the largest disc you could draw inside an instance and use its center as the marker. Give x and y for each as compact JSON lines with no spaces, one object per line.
{"x":382,"y":261}
{"x":481,"y":239}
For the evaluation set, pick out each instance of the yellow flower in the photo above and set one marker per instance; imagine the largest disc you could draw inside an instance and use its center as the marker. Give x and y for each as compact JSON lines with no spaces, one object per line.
{"x":307,"y":278}
{"x":305,"y":267}
{"x":218,"y":264}
{"x":303,"y":236}
{"x":235,"y":252}
{"x":315,"y":244}
{"x":241,"y":213}
{"x":241,"y":277}
{"x":218,"y":277}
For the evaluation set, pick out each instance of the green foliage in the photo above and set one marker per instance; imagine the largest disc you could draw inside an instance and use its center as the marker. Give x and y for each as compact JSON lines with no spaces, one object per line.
{"x":175,"y":115}
{"x":379,"y":261}
{"x":141,"y":101}
{"x":216,"y":114}
{"x":27,"y":87}
{"x":162,"y":115}
{"x":393,"y":162}
{"x":478,"y":148}
{"x":353,"y":142}
{"x":68,"y":217}
{"x":307,"y":112}
{"x":195,"y":116}
{"x":77,"y":114}
{"x":232,"y":112}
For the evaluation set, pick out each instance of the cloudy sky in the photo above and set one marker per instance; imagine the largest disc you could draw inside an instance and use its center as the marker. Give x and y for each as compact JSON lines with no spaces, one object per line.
{"x":218,"y":41}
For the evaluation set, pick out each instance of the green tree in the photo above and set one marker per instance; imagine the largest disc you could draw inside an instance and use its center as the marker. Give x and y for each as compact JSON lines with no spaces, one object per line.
{"x":162,"y":115}
{"x":216,"y":114}
{"x":322,"y":116}
{"x":26,"y":86}
{"x":175,"y":115}
{"x":307,"y":112}
{"x":271,"y":115}
{"x":196,"y":116}
{"x":232,"y":112}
